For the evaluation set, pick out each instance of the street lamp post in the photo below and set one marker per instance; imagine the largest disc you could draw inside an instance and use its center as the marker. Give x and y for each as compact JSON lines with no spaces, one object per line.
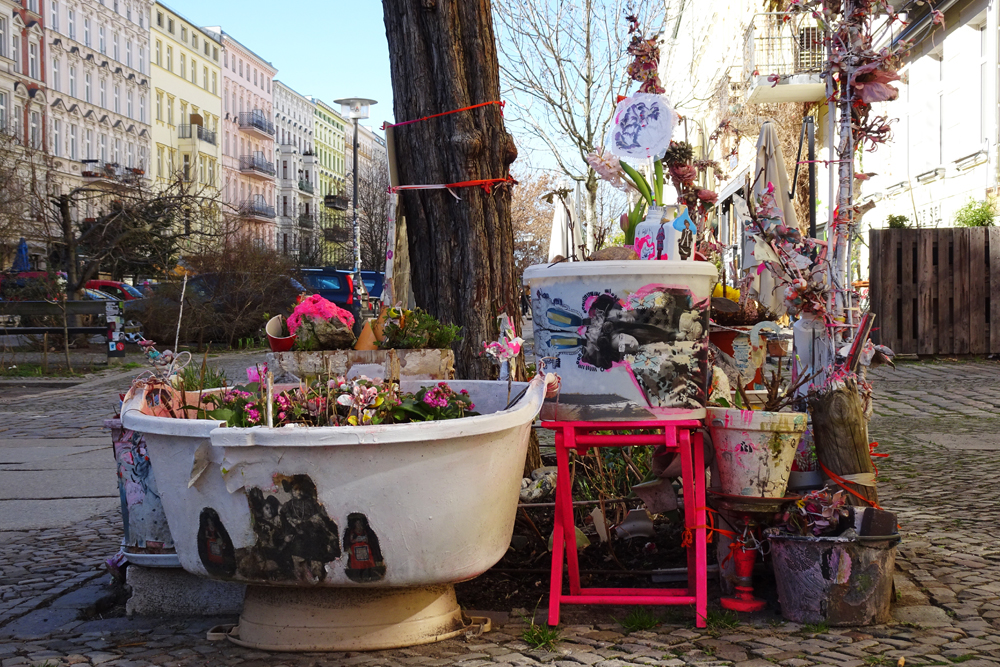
{"x":356,"y":108}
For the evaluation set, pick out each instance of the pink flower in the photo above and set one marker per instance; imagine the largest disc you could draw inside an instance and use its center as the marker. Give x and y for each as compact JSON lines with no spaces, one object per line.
{"x":708,"y":196}
{"x":253,"y":415}
{"x":255,"y":375}
{"x":317,"y":307}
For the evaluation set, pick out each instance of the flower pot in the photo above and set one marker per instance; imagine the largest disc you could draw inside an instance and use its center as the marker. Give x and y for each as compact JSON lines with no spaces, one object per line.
{"x":277,"y":342}
{"x":339,"y":531}
{"x":836,"y":580}
{"x":626,"y":330}
{"x":754,"y":450}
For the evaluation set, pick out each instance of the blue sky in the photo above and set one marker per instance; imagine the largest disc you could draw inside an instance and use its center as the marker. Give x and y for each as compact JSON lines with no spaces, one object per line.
{"x":327,"y":48}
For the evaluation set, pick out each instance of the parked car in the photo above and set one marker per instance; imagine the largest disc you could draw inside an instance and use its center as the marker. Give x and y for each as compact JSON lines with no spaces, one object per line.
{"x":90,"y":294}
{"x":119,"y":290}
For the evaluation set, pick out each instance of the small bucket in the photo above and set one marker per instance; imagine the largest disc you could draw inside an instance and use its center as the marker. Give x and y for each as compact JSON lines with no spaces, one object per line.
{"x":277,"y":342}
{"x":754,"y":450}
{"x":835,"y":580}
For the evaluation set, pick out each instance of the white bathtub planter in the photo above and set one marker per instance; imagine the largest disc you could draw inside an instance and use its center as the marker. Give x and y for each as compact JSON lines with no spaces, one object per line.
{"x":627,"y":329}
{"x":754,"y":450}
{"x":349,"y":538}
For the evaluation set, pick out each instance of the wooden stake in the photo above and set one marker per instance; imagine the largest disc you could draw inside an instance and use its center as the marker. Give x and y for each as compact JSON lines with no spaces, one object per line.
{"x":840,"y":432}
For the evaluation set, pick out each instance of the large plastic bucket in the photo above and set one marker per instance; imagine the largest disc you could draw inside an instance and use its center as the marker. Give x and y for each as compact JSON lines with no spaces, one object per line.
{"x":754,"y":450}
{"x":836,"y":580}
{"x":635,"y":330}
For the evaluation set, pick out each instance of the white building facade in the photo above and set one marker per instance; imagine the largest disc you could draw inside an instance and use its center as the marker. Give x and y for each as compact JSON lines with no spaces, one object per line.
{"x":297,"y":175}
{"x":98,"y":82}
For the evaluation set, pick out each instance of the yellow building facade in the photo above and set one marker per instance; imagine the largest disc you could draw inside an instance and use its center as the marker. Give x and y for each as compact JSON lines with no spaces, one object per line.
{"x":187,"y":103}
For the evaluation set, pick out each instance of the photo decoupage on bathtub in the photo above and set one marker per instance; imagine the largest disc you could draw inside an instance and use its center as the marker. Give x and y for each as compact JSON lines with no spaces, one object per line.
{"x":648,"y":345}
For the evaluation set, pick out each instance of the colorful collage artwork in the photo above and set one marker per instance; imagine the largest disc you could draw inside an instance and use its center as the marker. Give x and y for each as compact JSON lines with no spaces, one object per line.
{"x":656,"y":335}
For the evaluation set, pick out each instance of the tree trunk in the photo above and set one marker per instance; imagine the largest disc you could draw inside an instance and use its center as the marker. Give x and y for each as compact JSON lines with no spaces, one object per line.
{"x":840,"y":432}
{"x":443,"y":57}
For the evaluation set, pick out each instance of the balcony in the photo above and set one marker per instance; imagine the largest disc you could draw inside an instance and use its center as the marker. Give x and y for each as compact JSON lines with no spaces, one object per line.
{"x":196,"y":131}
{"x":783,"y":56}
{"x":338,"y":202}
{"x":110,"y":173}
{"x":306,"y":186}
{"x":256,"y":165}
{"x":256,"y":122}
{"x":307,"y":220}
{"x":257,"y":209}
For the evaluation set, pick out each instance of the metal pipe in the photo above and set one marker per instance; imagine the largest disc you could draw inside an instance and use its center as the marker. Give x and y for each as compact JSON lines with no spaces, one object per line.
{"x":357,"y":230}
{"x":811,"y":130}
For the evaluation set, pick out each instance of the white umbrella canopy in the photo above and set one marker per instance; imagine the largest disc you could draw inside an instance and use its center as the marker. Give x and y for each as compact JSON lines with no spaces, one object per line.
{"x":769,"y":168}
{"x":561,"y":242}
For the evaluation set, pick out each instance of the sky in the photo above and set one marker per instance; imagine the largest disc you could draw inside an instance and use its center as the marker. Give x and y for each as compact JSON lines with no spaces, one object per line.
{"x":327,"y":48}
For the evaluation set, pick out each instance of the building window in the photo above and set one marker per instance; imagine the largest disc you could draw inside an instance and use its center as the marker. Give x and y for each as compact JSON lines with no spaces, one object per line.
{"x":142,"y":59}
{"x":116,"y":55}
{"x":184,"y":33}
{"x":56,"y":134}
{"x":55,"y":15}
{"x":55,"y":76}
{"x":204,"y":78}
{"x":102,"y":44}
{"x":186,"y":169}
{"x":71,"y":23}
{"x":183,"y":70}
{"x":159,"y":19}
{"x":170,"y":59}
{"x":72,"y":81}
{"x":142,"y":108}
{"x":170,"y":26}
{"x":194,"y":41}
{"x":128,"y":53}
{"x":36,"y":129}
{"x":118,"y":103}
{"x":159,"y":48}
{"x":241,"y":68}
{"x":159,"y":106}
{"x":128,"y":104}
{"x":86,"y":32}
{"x":194,"y":72}
{"x":118,"y":151}
{"x":17,"y":55}
{"x":3,"y":37}
{"x":170,"y":111}
{"x":33,"y":60}
{"x":104,"y":96}
{"x":215,"y":83}
{"x":72,"y":142}
{"x":86,"y":87}
{"x":88,"y":139}
{"x":159,"y":161}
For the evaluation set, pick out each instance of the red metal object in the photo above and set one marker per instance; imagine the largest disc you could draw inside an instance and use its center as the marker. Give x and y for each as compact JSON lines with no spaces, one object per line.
{"x":744,"y":599}
{"x":680,"y":436}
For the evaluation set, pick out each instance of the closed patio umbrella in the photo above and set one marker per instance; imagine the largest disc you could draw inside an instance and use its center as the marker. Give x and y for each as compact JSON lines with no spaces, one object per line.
{"x":21,"y":260}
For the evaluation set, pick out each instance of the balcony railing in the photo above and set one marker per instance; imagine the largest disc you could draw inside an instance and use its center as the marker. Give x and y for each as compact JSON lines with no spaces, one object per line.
{"x":338,"y":202}
{"x":256,"y":163}
{"x":307,"y":220}
{"x":306,"y":186}
{"x":256,"y":120}
{"x":784,"y":52}
{"x":186,"y":132}
{"x":110,"y":171}
{"x":257,"y":209}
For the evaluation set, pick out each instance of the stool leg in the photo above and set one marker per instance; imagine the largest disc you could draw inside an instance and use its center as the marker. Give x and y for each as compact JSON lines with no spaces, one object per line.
{"x":568,"y":522}
{"x":558,"y":537}
{"x":701,"y":534}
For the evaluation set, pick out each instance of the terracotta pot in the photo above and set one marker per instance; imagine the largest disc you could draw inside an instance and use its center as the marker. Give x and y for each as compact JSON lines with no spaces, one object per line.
{"x":277,"y":342}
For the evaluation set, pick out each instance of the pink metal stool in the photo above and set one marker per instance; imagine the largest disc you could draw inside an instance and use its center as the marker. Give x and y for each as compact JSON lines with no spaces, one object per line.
{"x":678,"y":436}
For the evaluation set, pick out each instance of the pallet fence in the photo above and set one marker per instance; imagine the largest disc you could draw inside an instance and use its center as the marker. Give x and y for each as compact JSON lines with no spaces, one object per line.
{"x":932,"y":289}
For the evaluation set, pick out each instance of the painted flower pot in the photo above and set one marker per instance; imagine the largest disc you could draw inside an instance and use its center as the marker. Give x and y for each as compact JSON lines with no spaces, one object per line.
{"x":277,"y":342}
{"x":363,"y":530}
{"x":754,"y":450}
{"x":626,"y":329}
{"x":401,"y":364}
{"x":836,"y":580}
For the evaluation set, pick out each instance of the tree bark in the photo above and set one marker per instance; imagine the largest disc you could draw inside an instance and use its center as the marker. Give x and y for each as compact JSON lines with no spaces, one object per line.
{"x":443,"y":57}
{"x":840,"y":432}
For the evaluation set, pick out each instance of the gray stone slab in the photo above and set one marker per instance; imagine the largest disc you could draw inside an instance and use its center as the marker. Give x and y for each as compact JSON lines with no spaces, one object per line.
{"x":53,"y":484}
{"x":19,"y":515}
{"x":961,"y":441}
{"x":40,"y":622}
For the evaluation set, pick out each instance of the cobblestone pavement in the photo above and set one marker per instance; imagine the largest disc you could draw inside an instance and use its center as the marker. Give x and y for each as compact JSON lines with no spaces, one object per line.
{"x":936,"y":420}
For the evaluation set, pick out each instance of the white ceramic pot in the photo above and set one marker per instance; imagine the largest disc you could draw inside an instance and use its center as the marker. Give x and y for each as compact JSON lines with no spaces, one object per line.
{"x":754,"y":450}
{"x":637,"y":330}
{"x":398,"y":508}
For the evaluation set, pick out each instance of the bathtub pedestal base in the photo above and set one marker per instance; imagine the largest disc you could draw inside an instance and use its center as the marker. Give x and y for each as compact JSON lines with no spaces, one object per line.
{"x":347,"y":619}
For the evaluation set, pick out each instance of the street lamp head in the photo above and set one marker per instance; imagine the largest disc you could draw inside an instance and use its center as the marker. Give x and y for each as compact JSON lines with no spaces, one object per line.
{"x":355,"y":107}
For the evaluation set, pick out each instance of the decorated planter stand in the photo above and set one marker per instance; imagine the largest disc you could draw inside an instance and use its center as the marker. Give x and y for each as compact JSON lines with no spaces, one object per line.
{"x":624,"y":332}
{"x":349,"y":538}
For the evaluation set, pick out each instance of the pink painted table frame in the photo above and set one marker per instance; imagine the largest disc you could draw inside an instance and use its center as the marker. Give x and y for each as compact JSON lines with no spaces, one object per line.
{"x":678,"y":436}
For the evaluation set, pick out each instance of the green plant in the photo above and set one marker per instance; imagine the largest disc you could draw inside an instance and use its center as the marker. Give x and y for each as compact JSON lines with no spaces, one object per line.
{"x":417,"y":329}
{"x":963,"y":658}
{"x":196,"y":378}
{"x":816,"y":628}
{"x":540,"y":636}
{"x":878,"y":660}
{"x":897,"y":222}
{"x":721,"y":620}
{"x":640,"y":618}
{"x":976,"y":214}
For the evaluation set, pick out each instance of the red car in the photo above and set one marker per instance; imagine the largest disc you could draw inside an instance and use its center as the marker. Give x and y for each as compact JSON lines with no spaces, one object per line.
{"x":117,"y":289}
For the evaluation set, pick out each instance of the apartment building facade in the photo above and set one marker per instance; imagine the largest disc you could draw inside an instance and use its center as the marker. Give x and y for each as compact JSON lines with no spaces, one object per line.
{"x":186,"y":78}
{"x":294,"y":119}
{"x":248,"y":148}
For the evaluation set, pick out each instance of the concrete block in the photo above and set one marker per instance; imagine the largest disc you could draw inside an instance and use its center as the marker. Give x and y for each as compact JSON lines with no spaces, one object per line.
{"x":174,"y":592}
